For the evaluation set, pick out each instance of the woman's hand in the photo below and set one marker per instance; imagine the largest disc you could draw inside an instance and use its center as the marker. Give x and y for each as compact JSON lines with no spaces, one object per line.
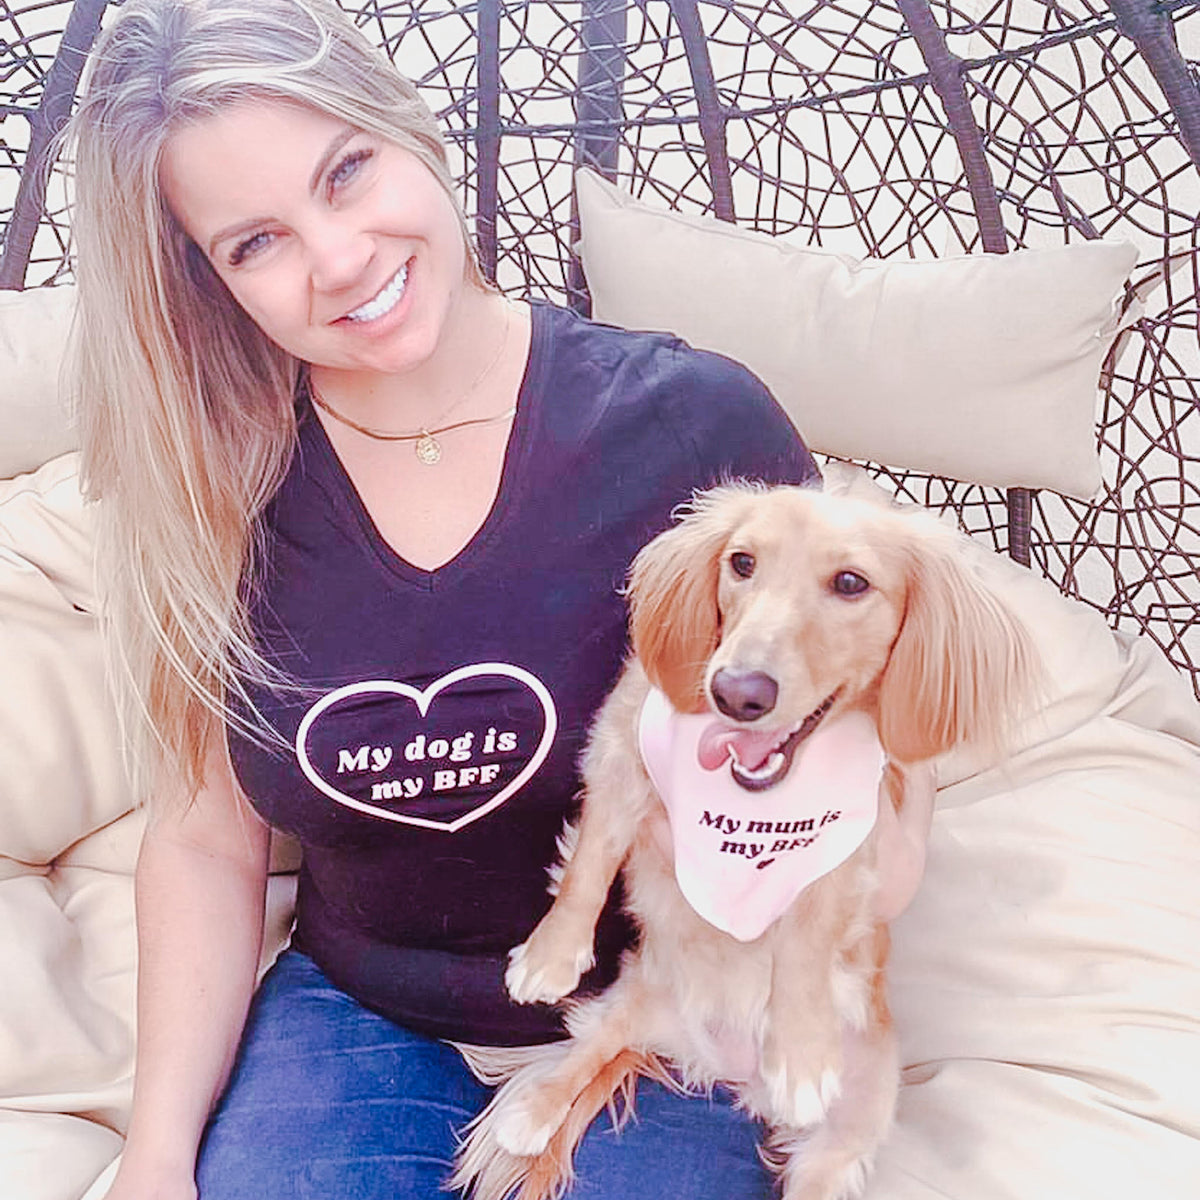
{"x":906,"y":796}
{"x":134,"y":1182}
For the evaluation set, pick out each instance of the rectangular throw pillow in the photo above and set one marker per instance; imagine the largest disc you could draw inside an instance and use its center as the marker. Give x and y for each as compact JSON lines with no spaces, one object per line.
{"x":981,"y":367}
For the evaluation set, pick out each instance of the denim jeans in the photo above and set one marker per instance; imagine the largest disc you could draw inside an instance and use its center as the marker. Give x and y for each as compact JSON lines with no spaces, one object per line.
{"x":328,"y":1099}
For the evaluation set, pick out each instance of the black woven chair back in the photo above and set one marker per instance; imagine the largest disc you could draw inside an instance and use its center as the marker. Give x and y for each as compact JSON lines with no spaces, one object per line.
{"x":889,"y":129}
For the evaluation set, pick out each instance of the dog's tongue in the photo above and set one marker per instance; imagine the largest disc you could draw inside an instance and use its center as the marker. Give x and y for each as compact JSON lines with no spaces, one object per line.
{"x":717,"y":741}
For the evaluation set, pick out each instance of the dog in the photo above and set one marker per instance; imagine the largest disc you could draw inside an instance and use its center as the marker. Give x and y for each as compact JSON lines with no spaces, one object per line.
{"x":776,"y":613}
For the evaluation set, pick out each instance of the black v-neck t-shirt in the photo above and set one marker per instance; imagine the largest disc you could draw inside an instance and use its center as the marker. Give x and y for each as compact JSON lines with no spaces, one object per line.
{"x":437,"y":717}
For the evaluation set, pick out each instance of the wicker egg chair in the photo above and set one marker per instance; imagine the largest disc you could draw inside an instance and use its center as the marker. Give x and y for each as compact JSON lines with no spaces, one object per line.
{"x":895,"y":131}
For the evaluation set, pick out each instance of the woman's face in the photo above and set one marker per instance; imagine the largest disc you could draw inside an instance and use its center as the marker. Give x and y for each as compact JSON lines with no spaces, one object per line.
{"x":342,"y":246}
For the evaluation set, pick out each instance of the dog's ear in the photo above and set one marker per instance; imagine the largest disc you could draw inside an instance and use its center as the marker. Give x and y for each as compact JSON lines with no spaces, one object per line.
{"x":962,"y":666}
{"x":675,"y":623}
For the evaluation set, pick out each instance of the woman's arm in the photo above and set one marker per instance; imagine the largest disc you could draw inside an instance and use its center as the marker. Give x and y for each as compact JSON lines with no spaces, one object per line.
{"x":200,"y":887}
{"x":903,"y":835}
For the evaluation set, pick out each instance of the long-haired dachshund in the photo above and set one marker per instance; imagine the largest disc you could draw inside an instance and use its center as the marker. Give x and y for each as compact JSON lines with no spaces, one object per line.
{"x":777,"y":613}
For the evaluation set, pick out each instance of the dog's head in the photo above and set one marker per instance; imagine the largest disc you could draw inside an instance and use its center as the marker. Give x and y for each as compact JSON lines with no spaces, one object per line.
{"x":778,"y":607}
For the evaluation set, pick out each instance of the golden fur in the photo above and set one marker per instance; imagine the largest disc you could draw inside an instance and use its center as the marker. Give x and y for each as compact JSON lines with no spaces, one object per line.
{"x":797,"y":1020}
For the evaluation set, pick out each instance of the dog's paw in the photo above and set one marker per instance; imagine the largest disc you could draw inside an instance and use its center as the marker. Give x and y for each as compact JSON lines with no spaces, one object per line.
{"x":799,"y":1098}
{"x":532,"y":978}
{"x":845,"y":1181}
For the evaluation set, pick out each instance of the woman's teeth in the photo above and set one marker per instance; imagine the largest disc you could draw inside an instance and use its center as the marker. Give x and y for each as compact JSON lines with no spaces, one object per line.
{"x":384,"y":302}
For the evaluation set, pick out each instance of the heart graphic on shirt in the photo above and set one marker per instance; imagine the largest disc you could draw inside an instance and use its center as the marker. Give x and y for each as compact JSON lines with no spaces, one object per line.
{"x":390,"y":691}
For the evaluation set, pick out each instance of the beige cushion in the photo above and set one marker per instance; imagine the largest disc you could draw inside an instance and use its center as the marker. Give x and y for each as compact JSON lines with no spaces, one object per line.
{"x":981,"y":367}
{"x":51,"y":1156}
{"x":66,"y":927}
{"x":68,"y":843}
{"x":58,"y":736}
{"x":34,"y":326}
{"x":1046,"y":980}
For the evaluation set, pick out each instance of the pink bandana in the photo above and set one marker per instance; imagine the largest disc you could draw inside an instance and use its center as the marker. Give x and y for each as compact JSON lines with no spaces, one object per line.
{"x":742,"y":857}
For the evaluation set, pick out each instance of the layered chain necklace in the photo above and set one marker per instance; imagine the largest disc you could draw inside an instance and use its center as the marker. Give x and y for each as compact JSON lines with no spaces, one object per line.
{"x":425,"y":440}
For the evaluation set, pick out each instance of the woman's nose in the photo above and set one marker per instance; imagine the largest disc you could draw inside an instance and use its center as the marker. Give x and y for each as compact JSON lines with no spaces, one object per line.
{"x":338,"y":253}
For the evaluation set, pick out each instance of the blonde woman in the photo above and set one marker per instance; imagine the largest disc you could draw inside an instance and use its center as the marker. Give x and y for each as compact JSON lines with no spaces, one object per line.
{"x":364,"y":522}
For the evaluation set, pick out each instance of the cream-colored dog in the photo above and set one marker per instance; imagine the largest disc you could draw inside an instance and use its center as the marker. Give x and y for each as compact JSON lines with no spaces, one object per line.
{"x":777,"y":609}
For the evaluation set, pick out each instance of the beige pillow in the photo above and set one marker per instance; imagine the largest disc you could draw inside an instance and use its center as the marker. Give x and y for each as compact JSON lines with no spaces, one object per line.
{"x":35,"y":426}
{"x":980,"y":367}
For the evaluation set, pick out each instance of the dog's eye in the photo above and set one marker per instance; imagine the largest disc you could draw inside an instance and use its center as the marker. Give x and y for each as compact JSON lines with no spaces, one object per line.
{"x":742,"y":563}
{"x":849,"y":583}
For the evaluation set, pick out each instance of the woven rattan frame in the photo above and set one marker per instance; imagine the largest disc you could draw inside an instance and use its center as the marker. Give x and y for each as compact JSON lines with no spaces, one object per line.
{"x":907,"y":128}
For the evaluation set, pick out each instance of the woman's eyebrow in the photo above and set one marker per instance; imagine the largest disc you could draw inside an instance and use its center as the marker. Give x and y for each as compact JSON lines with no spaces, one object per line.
{"x":339,"y":140}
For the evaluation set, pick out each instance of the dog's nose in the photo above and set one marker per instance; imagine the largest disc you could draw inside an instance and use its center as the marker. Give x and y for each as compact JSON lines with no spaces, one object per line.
{"x":744,"y":695}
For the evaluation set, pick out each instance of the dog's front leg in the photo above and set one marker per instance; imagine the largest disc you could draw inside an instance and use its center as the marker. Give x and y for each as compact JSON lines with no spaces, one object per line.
{"x":801,"y":1065}
{"x":549,"y":964}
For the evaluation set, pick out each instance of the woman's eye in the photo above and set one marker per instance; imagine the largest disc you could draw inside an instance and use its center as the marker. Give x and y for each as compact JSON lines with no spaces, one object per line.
{"x":849,"y":583}
{"x":248,"y":246}
{"x":347,"y":168}
{"x":742,"y":564}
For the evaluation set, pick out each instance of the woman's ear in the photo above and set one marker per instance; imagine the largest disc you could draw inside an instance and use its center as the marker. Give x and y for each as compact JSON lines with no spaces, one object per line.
{"x":962,"y":666}
{"x":675,"y":623}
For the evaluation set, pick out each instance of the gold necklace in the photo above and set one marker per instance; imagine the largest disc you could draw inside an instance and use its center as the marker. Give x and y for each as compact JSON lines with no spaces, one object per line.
{"x":428,"y":449}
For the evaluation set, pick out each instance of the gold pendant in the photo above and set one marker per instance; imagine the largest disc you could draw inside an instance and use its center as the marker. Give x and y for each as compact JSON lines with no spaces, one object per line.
{"x":428,"y":449}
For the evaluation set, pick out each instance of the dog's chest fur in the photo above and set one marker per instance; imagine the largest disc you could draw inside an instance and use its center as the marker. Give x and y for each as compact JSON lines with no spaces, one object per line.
{"x":715,"y":994}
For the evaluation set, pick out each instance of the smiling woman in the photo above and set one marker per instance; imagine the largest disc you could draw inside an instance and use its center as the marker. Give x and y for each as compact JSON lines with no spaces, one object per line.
{"x":200,"y":386}
{"x":363,"y":529}
{"x":348,"y":253}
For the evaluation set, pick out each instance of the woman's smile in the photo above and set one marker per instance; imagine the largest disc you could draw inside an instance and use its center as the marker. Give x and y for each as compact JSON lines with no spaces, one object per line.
{"x":384,"y":302}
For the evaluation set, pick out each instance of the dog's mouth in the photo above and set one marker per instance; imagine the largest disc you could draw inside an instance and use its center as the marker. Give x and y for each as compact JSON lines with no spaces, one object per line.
{"x":758,"y":761}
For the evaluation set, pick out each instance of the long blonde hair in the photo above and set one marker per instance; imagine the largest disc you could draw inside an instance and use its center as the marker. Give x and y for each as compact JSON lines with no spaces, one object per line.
{"x":186,"y":408}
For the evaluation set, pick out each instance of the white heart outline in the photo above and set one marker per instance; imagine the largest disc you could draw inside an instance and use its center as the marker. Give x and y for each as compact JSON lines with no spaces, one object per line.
{"x":423,"y":699}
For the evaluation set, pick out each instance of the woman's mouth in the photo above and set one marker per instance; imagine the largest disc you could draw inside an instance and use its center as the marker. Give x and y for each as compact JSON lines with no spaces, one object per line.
{"x":384,"y":301}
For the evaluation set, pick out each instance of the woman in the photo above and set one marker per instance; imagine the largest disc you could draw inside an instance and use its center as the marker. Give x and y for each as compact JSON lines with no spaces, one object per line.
{"x":364,"y":522}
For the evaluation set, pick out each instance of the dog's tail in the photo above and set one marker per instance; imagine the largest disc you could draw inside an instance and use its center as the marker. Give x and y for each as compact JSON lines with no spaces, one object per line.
{"x":493,"y":1173}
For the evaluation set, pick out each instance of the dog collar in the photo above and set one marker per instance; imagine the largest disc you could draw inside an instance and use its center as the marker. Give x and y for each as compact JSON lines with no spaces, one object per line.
{"x":742,"y":857}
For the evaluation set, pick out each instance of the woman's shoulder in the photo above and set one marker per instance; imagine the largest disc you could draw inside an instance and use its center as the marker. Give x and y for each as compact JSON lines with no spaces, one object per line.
{"x":647,"y":366}
{"x":706,"y":403}
{"x":588,"y":339}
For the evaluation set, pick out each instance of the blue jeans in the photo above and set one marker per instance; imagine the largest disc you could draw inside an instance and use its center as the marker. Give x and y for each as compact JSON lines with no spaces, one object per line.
{"x":331,"y":1100}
